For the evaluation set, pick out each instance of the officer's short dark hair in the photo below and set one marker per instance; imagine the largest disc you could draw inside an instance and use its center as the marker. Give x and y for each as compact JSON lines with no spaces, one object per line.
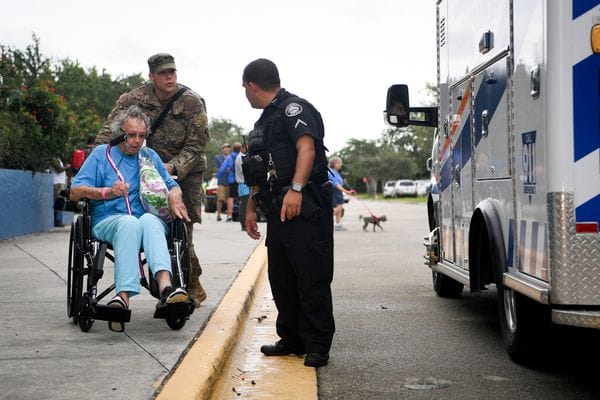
{"x":263,"y":73}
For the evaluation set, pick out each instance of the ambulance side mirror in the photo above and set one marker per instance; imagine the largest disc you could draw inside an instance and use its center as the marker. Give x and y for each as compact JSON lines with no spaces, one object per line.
{"x":398,"y":112}
{"x":397,"y":105}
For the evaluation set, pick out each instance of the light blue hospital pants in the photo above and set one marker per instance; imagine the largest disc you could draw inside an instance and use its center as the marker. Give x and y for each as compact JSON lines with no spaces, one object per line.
{"x":126,"y":233}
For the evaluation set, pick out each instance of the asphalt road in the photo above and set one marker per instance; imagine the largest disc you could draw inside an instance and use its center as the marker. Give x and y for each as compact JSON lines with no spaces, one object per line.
{"x":396,"y":339}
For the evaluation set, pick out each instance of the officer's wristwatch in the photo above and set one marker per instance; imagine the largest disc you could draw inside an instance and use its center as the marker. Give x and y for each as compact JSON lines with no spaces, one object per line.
{"x":297,"y":187}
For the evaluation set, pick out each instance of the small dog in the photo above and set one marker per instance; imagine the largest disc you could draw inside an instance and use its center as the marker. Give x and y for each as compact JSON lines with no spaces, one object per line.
{"x":372,"y":220}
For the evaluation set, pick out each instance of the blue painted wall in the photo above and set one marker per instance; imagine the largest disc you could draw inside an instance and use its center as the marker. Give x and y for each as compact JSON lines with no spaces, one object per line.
{"x":26,"y":202}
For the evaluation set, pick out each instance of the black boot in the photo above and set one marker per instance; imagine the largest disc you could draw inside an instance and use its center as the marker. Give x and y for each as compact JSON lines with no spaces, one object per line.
{"x":316,"y":359}
{"x":279,"y":348}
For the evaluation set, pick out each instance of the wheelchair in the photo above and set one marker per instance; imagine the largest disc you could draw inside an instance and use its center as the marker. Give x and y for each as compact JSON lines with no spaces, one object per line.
{"x":86,"y":267}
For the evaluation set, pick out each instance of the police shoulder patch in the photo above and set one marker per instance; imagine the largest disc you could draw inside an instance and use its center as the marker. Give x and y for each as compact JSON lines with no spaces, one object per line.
{"x":293,"y":109}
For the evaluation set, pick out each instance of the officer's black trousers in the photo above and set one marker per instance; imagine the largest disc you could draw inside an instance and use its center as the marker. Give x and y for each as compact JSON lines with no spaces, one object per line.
{"x":300,"y":267}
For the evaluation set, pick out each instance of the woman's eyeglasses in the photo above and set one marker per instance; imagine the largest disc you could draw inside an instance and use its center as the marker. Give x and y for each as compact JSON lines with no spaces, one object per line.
{"x":134,"y":135}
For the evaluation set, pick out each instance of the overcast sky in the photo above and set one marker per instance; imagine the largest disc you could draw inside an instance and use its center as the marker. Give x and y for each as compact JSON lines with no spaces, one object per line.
{"x":341,"y":55}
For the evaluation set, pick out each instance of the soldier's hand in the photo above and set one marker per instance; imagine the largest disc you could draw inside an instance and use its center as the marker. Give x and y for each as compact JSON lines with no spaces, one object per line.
{"x":292,"y":204}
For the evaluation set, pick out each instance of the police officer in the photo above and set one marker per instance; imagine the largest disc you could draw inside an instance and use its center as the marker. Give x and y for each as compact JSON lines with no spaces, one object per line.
{"x":180,"y":141}
{"x":286,"y":146}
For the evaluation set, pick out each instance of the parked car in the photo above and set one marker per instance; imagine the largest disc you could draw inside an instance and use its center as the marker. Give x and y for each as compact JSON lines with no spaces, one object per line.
{"x":210,"y":203}
{"x":423,"y":187}
{"x":210,"y":196}
{"x":406,"y":187}
{"x":389,"y":189}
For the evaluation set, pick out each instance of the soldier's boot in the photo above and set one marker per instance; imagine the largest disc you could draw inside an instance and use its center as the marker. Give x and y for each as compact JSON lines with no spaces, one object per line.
{"x":196,"y":291}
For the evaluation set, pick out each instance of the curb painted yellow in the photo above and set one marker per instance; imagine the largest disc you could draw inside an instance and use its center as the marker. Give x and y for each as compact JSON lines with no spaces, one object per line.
{"x":251,"y":375}
{"x":195,"y":375}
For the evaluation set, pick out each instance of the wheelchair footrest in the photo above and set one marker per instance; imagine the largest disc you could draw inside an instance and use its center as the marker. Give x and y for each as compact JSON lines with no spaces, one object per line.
{"x":174,"y":310}
{"x":116,"y":314}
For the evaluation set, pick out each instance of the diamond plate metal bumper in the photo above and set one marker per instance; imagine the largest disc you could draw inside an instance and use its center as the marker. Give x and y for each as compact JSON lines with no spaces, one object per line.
{"x":574,"y":258}
{"x":585,"y":319}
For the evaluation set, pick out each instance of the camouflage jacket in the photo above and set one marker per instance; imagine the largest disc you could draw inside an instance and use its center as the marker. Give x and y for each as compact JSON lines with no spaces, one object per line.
{"x":182,"y":136}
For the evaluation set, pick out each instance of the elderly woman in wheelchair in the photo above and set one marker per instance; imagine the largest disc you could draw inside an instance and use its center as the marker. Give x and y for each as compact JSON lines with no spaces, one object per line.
{"x":110,"y":180}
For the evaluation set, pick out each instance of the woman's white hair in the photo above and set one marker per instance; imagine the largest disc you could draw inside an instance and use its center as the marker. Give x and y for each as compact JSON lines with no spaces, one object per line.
{"x":133,"y":112}
{"x":333,"y":160}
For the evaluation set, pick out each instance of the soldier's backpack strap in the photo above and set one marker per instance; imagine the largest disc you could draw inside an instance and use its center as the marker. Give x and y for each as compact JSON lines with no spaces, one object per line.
{"x":165,"y":110}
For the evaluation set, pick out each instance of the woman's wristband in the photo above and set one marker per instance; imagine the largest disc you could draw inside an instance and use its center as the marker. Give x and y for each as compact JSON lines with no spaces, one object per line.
{"x":103,"y":192}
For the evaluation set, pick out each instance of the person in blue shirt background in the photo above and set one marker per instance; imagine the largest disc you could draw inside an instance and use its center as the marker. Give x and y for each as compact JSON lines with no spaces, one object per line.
{"x":243,"y":189}
{"x":222,"y":181}
{"x":228,"y":170}
{"x":336,"y":179}
{"x":125,"y":224}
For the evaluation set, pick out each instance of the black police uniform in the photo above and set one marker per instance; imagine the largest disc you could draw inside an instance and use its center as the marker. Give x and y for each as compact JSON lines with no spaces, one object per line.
{"x":300,"y":251}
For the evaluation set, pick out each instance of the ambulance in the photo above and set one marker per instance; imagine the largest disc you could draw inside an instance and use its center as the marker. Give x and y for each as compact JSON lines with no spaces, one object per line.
{"x":516,"y":161}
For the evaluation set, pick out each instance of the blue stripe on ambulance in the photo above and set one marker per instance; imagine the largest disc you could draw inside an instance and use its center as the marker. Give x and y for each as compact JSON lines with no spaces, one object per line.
{"x":586,"y":113}
{"x":589,"y":211}
{"x":445,"y":175}
{"x":511,"y":243}
{"x":488,"y":97}
{"x":582,"y":6}
{"x":531,"y":248}
{"x":586,"y":106}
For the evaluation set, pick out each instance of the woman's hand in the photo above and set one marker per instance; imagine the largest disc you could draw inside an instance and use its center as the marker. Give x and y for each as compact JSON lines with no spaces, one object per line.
{"x":119,"y":189}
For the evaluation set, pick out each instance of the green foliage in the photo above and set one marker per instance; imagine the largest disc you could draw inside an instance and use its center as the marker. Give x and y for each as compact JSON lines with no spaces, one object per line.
{"x":47,"y":111}
{"x":90,"y":96}
{"x":17,"y":132}
{"x":375,"y":161}
{"x":416,"y":141}
{"x":222,"y":131}
{"x":90,"y":90}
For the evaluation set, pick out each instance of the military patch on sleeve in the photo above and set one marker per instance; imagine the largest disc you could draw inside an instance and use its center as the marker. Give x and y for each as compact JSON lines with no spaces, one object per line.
{"x":123,"y":99}
{"x":293,"y":109}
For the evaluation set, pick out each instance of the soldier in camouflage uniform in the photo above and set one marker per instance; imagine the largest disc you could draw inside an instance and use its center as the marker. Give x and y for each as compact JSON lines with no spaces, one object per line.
{"x":180,"y":141}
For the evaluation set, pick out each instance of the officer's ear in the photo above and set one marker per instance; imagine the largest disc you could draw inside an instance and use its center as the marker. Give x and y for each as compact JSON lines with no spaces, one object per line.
{"x":251,"y":86}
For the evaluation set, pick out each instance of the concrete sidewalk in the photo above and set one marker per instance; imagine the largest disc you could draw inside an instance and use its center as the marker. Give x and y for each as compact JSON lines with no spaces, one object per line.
{"x":43,"y":355}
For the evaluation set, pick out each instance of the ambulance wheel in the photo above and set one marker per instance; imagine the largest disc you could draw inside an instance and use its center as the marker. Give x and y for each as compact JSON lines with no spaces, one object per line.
{"x":445,"y":286}
{"x":522,"y":323}
{"x":176,"y":322}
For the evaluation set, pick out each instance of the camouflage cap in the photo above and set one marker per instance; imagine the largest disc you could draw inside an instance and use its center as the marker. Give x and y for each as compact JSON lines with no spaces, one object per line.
{"x":161,"y":62}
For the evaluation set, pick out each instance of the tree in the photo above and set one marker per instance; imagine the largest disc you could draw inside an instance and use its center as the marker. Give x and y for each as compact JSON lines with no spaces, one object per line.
{"x":36,"y":123}
{"x":90,"y":95}
{"x":48,"y":110}
{"x":376,"y":161}
{"x":222,"y":131}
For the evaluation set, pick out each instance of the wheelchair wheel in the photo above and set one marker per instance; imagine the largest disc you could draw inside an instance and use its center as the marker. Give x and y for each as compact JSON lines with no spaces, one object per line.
{"x":178,"y":247}
{"x":85,"y":319}
{"x":176,"y":322}
{"x":75,"y":269}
